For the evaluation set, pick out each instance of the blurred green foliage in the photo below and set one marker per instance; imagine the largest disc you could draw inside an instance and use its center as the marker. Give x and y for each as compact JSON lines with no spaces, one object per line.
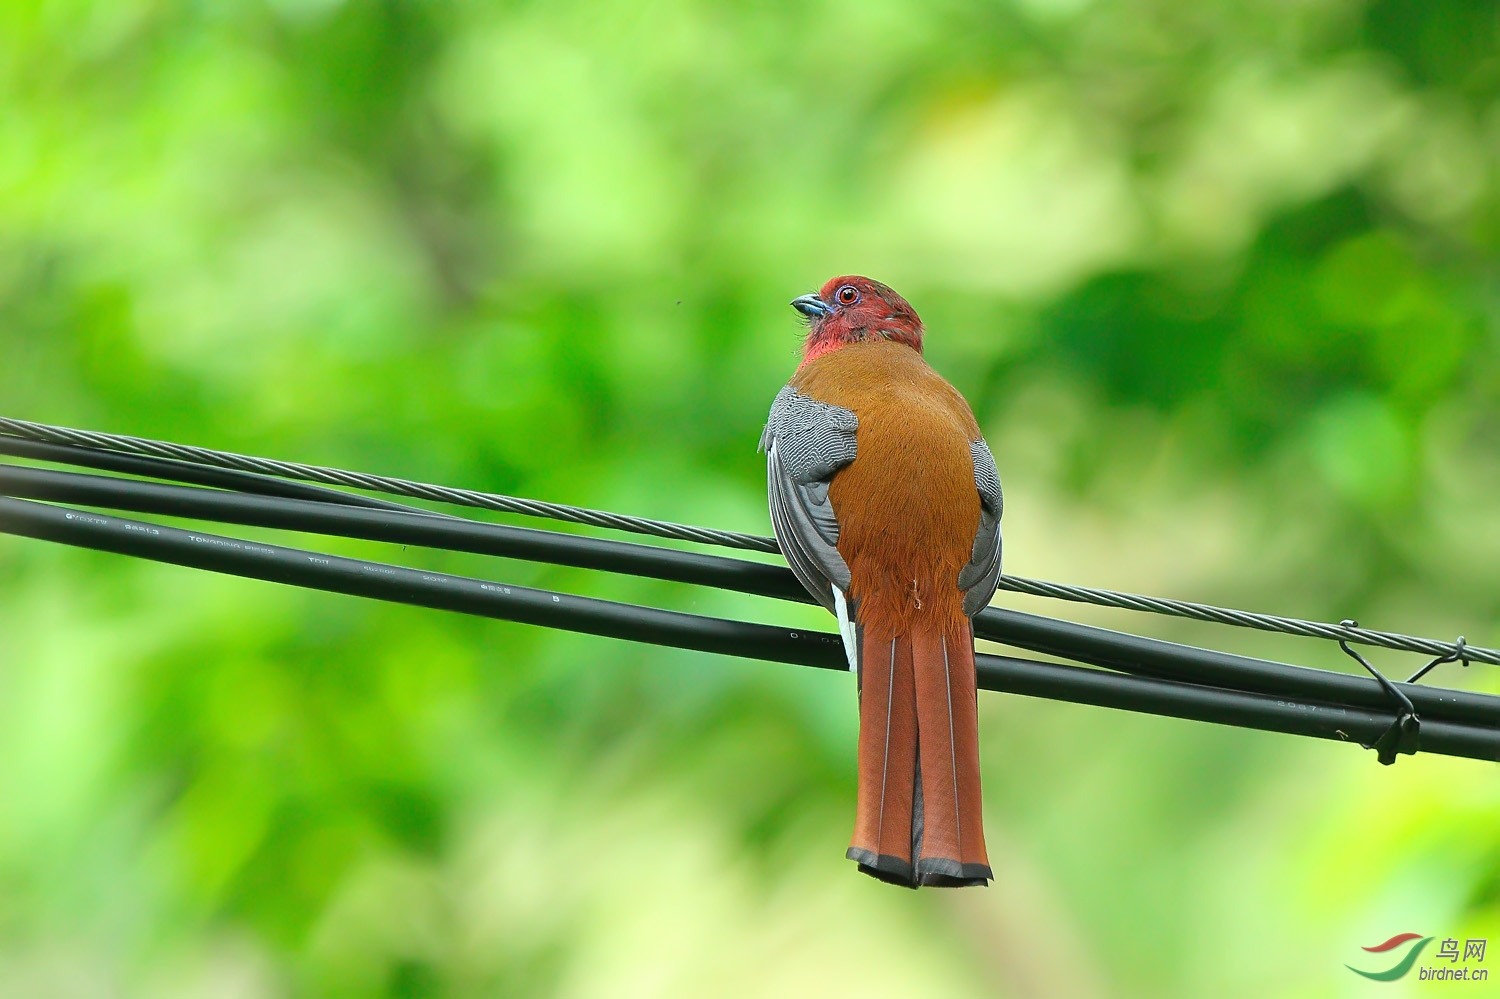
{"x":1219,"y":279}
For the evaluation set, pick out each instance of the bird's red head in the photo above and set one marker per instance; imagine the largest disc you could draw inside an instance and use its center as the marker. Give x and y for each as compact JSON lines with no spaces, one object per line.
{"x":854,"y":309}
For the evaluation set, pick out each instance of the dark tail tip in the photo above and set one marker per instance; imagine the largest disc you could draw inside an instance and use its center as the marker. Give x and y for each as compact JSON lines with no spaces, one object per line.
{"x":929,"y":872}
{"x":883,"y":867}
{"x":971,"y":878}
{"x":940,"y":872}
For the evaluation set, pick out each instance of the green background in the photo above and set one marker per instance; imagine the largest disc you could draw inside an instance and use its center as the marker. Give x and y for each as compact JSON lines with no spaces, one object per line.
{"x":1219,"y":278}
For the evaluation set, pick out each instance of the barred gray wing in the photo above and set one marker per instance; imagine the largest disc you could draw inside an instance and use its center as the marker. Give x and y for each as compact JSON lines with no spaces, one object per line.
{"x":979,"y":578}
{"x":806,"y":442}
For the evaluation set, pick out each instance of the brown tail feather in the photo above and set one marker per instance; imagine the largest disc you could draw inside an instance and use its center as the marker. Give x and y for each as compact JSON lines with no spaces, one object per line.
{"x":918,"y":820}
{"x":887,"y":760}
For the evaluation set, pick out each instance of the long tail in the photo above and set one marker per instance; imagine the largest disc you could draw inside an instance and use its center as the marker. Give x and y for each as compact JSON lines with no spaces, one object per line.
{"x":919,"y":818}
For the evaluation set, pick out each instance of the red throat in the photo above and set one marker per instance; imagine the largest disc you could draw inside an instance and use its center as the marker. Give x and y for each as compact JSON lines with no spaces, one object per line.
{"x":816,"y":347}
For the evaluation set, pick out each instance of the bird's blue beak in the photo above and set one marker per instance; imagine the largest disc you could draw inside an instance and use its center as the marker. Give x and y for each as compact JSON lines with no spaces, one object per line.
{"x":811,"y":306}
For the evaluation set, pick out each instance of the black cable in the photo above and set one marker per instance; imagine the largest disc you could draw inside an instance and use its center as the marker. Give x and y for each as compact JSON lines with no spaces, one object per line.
{"x":405,"y":527}
{"x":1081,"y":643}
{"x":1154,"y":657}
{"x":357,"y":577}
{"x":87,"y":439}
{"x":187,"y":471}
{"x":1224,"y":707}
{"x":1096,"y":646}
{"x":361,"y":578}
{"x":386,"y":484}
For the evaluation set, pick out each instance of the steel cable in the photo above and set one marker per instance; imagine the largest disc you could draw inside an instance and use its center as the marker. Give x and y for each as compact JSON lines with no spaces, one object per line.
{"x":23,"y":429}
{"x":386,"y":484}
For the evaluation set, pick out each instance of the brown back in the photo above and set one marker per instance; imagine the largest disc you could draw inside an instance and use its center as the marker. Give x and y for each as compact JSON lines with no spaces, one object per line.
{"x":907,"y":506}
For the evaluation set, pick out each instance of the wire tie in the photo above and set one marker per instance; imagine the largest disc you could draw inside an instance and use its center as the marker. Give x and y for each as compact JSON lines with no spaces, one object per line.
{"x":1457,"y":655}
{"x":1404,"y":733}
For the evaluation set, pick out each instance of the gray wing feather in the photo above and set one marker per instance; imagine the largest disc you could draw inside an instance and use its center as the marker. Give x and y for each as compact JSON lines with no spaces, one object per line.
{"x":806,"y":442}
{"x":979,"y":578}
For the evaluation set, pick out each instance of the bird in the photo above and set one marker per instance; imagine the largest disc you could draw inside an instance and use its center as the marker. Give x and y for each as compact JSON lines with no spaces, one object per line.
{"x":886,"y":503}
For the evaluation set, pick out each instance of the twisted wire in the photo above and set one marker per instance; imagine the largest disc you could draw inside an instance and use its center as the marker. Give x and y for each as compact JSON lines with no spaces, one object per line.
{"x":1250,"y":619}
{"x":385,"y":484}
{"x":726,"y":539}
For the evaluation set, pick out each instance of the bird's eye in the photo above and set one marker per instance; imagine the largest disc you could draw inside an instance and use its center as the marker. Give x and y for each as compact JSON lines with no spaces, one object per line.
{"x":847,"y":295}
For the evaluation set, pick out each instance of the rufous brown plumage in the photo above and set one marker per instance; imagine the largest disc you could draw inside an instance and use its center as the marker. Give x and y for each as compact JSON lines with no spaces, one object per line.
{"x":886,"y":502}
